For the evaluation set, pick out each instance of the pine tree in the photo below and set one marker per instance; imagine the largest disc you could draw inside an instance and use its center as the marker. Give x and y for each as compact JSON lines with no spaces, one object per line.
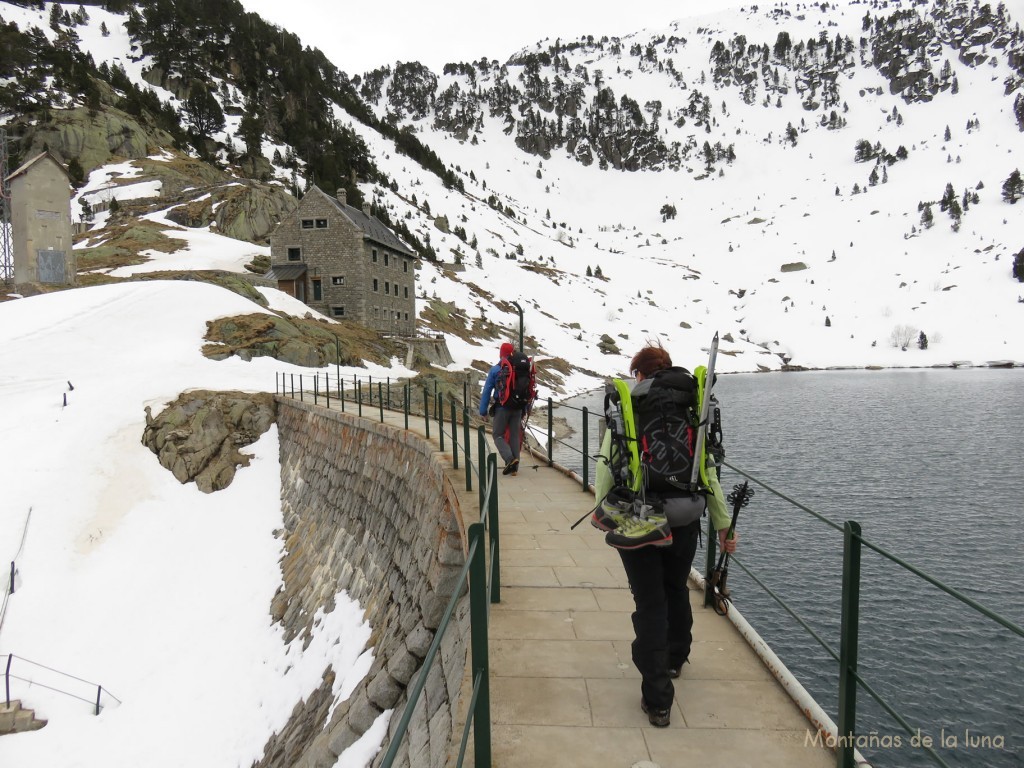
{"x":203,"y":112}
{"x":922,"y":341}
{"x":1013,"y":187}
{"x":947,"y":198}
{"x":75,"y":172}
{"x":927,"y":217}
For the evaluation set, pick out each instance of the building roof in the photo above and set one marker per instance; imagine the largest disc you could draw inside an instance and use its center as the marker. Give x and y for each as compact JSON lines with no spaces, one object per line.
{"x":372,"y":227}
{"x":286,"y":271}
{"x":25,"y":166}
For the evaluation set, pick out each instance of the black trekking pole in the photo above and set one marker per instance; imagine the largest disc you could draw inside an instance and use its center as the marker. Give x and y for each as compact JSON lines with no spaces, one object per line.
{"x":739,"y":498}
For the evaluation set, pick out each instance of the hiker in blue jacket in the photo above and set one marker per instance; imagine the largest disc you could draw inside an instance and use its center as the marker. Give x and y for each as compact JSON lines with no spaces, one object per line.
{"x":506,"y":421}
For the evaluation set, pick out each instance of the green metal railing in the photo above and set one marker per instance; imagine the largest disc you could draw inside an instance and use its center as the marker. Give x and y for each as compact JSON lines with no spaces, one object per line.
{"x":850,"y":681}
{"x":481,"y":571}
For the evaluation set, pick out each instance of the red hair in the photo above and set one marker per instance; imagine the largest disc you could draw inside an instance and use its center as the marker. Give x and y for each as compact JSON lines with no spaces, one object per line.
{"x":650,"y":360}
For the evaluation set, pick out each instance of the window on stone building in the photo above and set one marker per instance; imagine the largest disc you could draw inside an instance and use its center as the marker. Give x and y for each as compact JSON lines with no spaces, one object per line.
{"x":406,"y":290}
{"x":387,"y":288}
{"x":396,"y":289}
{"x":338,"y":311}
{"x":376,"y":313}
{"x":405,"y":266}
{"x":321,"y":223}
{"x":294,"y":254}
{"x":385,"y":259}
{"x":375,"y":284}
{"x":307,"y":223}
{"x":318,"y":290}
{"x":373,"y":255}
{"x":407,"y":317}
{"x":337,"y":280}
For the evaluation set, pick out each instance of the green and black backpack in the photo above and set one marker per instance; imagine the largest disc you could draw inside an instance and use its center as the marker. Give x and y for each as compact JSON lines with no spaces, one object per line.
{"x":656,"y":443}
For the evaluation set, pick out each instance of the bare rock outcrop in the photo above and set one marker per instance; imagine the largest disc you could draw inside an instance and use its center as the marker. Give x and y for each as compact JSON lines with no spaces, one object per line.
{"x":198,"y":437}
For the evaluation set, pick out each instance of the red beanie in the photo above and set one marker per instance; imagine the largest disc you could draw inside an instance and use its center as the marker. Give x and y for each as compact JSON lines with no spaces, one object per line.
{"x":506,"y":350}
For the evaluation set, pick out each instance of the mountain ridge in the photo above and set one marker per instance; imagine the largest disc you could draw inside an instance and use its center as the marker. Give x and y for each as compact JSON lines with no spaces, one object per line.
{"x":713,"y":240}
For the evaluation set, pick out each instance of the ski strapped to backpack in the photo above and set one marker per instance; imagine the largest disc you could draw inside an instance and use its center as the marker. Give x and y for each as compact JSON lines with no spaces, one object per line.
{"x":657,"y":451}
{"x":516,"y":386}
{"x":705,"y":382}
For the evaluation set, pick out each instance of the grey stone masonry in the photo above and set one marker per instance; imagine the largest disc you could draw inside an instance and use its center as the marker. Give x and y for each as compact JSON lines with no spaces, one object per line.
{"x":368,"y":509}
{"x":345,"y":263}
{"x":15,"y":719}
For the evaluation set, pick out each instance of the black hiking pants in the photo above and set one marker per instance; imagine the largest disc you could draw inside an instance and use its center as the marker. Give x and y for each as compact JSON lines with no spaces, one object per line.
{"x":662,"y":620}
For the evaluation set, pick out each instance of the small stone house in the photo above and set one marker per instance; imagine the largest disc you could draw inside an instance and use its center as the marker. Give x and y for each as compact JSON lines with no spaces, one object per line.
{"x":345,"y":263}
{"x":41,"y":222}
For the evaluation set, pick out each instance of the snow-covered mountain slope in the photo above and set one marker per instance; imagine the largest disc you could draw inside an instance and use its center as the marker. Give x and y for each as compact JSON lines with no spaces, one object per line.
{"x":783,"y":156}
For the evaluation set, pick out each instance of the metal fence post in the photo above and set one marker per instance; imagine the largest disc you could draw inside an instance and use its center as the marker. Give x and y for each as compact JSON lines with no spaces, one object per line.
{"x":848,"y":645}
{"x":359,"y":398}
{"x":292,"y":375}
{"x":426,"y":411}
{"x":380,"y":401}
{"x":301,"y":387}
{"x":481,"y":461}
{"x":478,"y":643}
{"x":586,"y":451}
{"x":551,"y":433}
{"x":469,"y":448}
{"x":455,"y":435}
{"x":316,"y":388}
{"x":7,"y":678}
{"x":439,"y":410}
{"x":492,"y":527}
{"x":406,"y":390}
{"x":327,"y":387}
{"x":99,"y":693}
{"x":341,"y":394}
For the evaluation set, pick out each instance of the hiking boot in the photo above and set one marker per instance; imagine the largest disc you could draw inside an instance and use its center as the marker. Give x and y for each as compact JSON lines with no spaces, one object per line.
{"x":601,"y":520}
{"x":659,"y":718}
{"x":610,"y":511}
{"x":635,"y":532}
{"x":512,"y":468}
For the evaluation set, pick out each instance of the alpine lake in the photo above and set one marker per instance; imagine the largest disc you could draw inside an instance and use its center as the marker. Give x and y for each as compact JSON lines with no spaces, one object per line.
{"x":930,"y":463}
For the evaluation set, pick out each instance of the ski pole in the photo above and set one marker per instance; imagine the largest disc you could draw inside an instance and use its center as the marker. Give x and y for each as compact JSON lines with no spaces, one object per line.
{"x":739,"y":498}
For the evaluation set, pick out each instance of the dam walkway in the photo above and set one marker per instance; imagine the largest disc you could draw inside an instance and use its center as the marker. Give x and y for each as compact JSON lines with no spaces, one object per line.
{"x":563,"y":688}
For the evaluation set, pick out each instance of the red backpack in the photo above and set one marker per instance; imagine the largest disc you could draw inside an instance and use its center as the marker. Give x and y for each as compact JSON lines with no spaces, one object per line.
{"x":517,"y":381}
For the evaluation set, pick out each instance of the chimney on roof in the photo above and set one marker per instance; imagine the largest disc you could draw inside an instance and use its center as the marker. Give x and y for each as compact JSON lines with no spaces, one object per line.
{"x":342,"y":196}
{"x":366,"y":208}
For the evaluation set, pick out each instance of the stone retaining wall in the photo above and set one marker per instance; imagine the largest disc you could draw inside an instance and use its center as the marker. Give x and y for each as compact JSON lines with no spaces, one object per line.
{"x":368,"y":509}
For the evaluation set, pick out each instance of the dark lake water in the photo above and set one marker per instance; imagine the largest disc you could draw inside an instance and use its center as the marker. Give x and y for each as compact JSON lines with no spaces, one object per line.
{"x":931,"y":464}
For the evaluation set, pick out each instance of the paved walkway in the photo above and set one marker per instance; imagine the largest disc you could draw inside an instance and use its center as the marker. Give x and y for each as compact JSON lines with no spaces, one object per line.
{"x":564,"y":691}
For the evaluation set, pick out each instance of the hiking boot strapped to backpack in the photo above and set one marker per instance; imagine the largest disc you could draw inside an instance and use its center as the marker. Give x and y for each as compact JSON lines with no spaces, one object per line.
{"x":657,"y":453}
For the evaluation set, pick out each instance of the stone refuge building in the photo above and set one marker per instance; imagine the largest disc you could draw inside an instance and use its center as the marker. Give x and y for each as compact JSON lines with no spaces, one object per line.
{"x":345,"y":263}
{"x":41,"y":222}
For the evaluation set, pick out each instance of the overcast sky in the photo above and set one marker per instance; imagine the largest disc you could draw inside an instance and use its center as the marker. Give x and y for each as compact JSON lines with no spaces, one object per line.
{"x":359,"y":37}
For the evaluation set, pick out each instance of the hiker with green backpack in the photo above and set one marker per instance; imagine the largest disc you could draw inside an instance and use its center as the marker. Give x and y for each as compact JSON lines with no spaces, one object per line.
{"x":655,"y":477}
